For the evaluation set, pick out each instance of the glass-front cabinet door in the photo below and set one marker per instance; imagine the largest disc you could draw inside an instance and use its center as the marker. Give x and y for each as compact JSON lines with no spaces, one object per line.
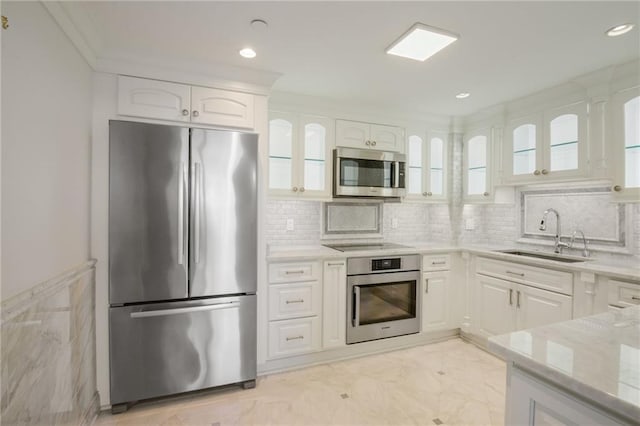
{"x":300,"y":156}
{"x":476,"y":166}
{"x":565,"y":142}
{"x":427,"y":159}
{"x":626,"y":144}
{"x":546,"y":147}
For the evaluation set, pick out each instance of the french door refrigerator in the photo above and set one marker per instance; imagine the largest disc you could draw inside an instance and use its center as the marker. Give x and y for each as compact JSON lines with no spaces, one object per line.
{"x":182,"y":259}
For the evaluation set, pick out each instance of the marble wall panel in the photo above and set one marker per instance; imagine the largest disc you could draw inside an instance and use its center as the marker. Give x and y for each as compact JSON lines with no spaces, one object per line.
{"x":48,"y":352}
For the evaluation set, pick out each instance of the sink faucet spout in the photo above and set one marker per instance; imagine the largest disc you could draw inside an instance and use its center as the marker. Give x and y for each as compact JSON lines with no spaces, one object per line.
{"x":559,"y":245}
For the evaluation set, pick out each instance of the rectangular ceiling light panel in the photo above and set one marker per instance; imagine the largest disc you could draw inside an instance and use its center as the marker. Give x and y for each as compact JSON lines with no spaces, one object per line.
{"x":421,"y":42}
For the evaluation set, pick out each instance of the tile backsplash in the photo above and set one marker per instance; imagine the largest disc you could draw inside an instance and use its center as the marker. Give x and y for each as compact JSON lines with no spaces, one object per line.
{"x":490,"y":224}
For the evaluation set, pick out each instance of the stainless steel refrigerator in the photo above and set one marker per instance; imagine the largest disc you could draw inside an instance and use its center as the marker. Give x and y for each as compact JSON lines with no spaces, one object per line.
{"x":182,"y":259}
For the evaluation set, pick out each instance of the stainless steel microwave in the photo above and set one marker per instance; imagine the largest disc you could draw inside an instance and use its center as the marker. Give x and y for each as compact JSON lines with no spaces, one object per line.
{"x":368,"y":173}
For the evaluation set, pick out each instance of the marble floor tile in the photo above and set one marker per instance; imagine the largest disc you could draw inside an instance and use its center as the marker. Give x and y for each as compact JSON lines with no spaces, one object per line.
{"x":448,"y":383}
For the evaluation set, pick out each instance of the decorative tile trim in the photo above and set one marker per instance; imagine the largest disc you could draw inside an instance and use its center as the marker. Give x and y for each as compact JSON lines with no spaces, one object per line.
{"x":23,"y":301}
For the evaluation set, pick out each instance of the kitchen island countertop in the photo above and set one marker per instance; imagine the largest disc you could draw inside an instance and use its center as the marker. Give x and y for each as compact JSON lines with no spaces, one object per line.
{"x":595,"y":357}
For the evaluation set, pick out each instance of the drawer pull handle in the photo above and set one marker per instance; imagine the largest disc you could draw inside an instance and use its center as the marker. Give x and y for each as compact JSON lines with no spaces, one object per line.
{"x":520,"y":274}
{"x":336,"y":264}
{"x":635,"y":298}
{"x":510,"y":297}
{"x":518,"y":299}
{"x":295,"y":338}
{"x":439,"y":263}
{"x":426,"y":285}
{"x":295,"y":301}
{"x":300,"y":271}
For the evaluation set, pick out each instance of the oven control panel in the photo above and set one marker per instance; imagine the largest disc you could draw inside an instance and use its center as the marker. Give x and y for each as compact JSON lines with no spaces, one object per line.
{"x":385,"y":264}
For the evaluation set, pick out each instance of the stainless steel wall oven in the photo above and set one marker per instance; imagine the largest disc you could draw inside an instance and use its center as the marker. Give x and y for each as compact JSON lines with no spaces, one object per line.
{"x":383,"y":297}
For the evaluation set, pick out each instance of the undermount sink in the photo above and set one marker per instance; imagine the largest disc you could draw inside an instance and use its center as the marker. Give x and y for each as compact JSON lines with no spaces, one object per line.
{"x":555,"y":257}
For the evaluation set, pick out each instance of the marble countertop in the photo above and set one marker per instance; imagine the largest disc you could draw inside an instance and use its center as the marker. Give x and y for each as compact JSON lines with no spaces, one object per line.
{"x":597,"y":357}
{"x":625,"y":271}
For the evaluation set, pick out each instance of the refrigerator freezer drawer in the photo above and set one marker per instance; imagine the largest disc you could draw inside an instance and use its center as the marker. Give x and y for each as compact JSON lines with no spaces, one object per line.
{"x":167,"y":348}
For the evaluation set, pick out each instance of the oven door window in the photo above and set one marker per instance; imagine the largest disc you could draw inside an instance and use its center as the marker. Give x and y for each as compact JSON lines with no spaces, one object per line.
{"x":358,"y":172}
{"x":385,"y":302}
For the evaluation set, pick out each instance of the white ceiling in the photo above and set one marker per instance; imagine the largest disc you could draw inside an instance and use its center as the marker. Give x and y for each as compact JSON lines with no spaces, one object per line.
{"x":336,"y":50}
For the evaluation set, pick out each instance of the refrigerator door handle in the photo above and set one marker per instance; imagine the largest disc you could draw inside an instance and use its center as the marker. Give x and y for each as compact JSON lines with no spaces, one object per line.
{"x":165,"y":312}
{"x":196,"y":232}
{"x":181,"y":184}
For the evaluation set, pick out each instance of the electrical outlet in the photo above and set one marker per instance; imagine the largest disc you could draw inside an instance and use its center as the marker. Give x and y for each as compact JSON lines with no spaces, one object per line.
{"x":289,"y":224}
{"x":394,"y":223}
{"x":469,"y":224}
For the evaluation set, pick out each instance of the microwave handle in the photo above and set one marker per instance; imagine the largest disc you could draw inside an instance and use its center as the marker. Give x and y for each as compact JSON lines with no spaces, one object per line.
{"x":396,"y":174}
{"x":356,"y":309}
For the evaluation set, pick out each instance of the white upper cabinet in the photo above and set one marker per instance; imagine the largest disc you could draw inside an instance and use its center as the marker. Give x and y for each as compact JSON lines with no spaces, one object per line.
{"x":154,"y":99}
{"x":354,"y":134}
{"x":626,"y":145}
{"x":477,"y":166}
{"x":547,"y":147}
{"x":163,"y":100}
{"x":300,"y":156}
{"x":221,"y":107}
{"x":427,"y":159}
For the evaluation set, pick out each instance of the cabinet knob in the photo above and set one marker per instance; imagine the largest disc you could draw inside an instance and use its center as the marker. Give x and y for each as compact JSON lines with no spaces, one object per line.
{"x":195,"y":113}
{"x":545,"y":171}
{"x":185,"y":112}
{"x":294,"y":189}
{"x":367,"y":143}
{"x":373,"y":143}
{"x":486,"y":194}
{"x":537,"y":172}
{"x":617,"y":188}
{"x":302,"y":189}
{"x":424,"y":194}
{"x":429,"y":194}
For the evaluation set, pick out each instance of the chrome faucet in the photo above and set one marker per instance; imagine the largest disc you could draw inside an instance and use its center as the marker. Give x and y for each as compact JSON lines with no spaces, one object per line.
{"x":559,"y":245}
{"x":585,"y":250}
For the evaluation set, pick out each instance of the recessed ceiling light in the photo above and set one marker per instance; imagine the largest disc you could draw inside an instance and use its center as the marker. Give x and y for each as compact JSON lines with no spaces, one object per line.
{"x":463,"y":95}
{"x":248,"y":52}
{"x":421,"y":42}
{"x":619,"y":30}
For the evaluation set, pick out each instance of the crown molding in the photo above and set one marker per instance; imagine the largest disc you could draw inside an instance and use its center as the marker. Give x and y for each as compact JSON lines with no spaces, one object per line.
{"x":66,"y":22}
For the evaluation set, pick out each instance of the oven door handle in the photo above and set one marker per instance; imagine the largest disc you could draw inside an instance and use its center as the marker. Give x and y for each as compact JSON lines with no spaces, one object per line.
{"x":356,"y":309}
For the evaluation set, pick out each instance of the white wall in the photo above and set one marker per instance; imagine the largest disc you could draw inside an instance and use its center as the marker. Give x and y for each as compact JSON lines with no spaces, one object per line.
{"x":46,"y":132}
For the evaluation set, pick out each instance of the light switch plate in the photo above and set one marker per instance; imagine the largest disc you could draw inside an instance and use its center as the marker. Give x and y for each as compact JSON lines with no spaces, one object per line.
{"x":394,"y":223}
{"x":289,"y":224}
{"x":470,"y":224}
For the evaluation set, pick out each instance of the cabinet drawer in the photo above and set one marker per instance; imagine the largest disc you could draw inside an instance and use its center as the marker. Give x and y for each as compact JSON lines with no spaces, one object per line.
{"x":292,"y":337}
{"x":549,"y":279}
{"x":436,"y":262}
{"x":623,"y":294}
{"x":294,"y":300}
{"x":292,"y":272}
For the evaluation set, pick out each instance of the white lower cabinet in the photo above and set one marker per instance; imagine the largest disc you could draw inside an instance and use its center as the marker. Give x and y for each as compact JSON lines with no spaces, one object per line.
{"x":532,"y":402}
{"x":495,"y":313}
{"x":334,"y":308}
{"x":435,"y":300}
{"x":293,"y":337}
{"x":294,"y":308}
{"x":504,"y":306}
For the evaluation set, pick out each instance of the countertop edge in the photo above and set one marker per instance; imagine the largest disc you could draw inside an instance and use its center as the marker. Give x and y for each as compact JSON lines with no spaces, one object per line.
{"x":602,"y":399}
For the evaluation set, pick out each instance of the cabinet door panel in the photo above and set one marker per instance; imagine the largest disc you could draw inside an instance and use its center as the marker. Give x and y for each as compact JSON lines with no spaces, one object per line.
{"x":352,"y":134}
{"x":495,"y":307}
{"x":435,"y":301}
{"x":153,"y":99}
{"x":625,"y":164}
{"x":334,"y":315}
{"x":221,"y":107}
{"x":387,"y":138}
{"x":539,"y":307}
